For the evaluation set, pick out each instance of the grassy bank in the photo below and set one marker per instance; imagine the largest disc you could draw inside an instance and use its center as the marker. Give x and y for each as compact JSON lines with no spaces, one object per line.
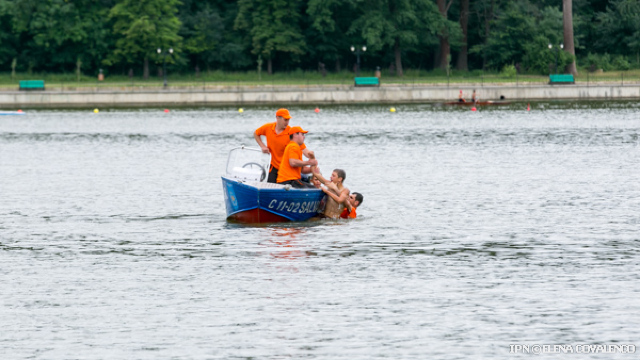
{"x":301,"y":78}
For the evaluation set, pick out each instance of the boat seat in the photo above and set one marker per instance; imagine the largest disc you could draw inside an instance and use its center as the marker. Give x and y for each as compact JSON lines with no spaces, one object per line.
{"x":249,"y":174}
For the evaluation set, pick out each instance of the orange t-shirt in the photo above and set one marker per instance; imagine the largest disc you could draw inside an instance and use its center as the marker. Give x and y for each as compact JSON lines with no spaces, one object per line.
{"x":275,"y":142}
{"x":287,"y":172}
{"x":346,"y":214}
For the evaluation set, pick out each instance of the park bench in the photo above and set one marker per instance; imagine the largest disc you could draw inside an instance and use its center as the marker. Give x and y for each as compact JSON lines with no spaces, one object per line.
{"x":367,"y":81}
{"x":31,"y":85}
{"x":561,"y":79}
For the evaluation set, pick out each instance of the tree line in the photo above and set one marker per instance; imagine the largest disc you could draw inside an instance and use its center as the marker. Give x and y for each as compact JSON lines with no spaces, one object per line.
{"x":123,"y":36}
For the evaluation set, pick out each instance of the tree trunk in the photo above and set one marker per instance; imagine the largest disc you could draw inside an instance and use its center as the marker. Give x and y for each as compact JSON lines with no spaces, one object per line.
{"x":398,"y":53}
{"x":444,"y":38}
{"x":338,"y":65}
{"x":145,"y":69}
{"x":487,"y":29}
{"x":567,"y":22}
{"x":269,"y":68}
{"x":464,"y":24}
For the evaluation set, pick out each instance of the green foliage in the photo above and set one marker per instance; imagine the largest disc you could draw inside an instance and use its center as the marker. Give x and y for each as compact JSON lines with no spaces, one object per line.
{"x":143,"y":26}
{"x":513,"y":30}
{"x":606,"y":62}
{"x":382,"y":22}
{"x":51,"y":35}
{"x":202,"y":31}
{"x":620,"y":63}
{"x":619,"y":27}
{"x":271,"y":27}
{"x":330,"y":20}
{"x":509,"y":71}
{"x":54,"y":33}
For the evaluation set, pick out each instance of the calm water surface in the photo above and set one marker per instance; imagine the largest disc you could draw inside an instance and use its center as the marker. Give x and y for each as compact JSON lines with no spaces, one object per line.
{"x":478,"y":230}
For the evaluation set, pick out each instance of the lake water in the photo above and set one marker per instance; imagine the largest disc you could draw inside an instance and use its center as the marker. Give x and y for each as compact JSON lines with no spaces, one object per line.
{"x":478,"y":230}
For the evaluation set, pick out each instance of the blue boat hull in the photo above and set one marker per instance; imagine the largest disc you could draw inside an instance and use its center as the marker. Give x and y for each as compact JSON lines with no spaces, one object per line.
{"x":252,"y":204}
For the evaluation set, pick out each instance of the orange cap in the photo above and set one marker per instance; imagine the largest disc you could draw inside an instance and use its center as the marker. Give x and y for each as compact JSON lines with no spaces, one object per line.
{"x":296,"y":129}
{"x":284,"y":113}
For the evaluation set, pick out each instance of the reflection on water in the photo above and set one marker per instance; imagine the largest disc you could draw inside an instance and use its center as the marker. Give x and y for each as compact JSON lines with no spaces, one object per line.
{"x":287,"y":243}
{"x":478,"y":230}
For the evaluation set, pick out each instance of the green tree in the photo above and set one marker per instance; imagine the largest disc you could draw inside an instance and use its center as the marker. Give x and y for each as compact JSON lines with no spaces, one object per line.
{"x":513,"y":29}
{"x":142,"y":27}
{"x":619,"y":28}
{"x":397,"y":25}
{"x":54,"y":34}
{"x":202,"y":30}
{"x":272,"y":27}
{"x":327,"y":35}
{"x":8,"y":39}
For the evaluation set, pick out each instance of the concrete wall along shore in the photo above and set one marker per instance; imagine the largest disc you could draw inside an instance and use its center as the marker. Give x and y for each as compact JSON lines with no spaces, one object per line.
{"x":312,"y":95}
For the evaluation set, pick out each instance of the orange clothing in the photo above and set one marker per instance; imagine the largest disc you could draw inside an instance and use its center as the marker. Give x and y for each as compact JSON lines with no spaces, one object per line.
{"x":275,"y":142}
{"x":348,"y":215}
{"x":287,"y":172}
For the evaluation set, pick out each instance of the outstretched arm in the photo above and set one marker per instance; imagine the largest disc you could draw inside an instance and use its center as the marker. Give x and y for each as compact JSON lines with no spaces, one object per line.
{"x":300,"y":163}
{"x":319,"y":176}
{"x":324,"y":181}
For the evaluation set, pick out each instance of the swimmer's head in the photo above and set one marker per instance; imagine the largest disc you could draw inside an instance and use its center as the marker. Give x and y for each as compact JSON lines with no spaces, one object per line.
{"x":338,"y":175}
{"x":355,"y":199}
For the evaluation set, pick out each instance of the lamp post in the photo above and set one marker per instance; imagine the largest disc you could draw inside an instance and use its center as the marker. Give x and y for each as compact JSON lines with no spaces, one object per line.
{"x":164,"y":66}
{"x":561,"y":46}
{"x":357,"y":52}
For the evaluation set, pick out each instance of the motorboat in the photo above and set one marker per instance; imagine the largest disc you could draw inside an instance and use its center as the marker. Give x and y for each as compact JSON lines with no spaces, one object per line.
{"x":250,"y":199}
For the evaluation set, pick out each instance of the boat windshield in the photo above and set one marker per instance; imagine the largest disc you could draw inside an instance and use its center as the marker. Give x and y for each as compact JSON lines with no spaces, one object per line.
{"x":249,"y":164}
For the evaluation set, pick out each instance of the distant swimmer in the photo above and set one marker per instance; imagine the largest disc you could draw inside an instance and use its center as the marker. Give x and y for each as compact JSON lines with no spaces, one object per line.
{"x":277,"y":134}
{"x":292,"y":166}
{"x":336,"y":192}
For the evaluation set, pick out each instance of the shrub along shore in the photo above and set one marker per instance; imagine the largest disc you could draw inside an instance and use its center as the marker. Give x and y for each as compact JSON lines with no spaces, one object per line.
{"x":205,"y":80}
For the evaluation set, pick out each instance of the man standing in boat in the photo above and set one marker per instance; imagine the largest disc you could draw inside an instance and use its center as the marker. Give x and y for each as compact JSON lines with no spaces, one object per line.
{"x":291,"y":168}
{"x":277,"y":134}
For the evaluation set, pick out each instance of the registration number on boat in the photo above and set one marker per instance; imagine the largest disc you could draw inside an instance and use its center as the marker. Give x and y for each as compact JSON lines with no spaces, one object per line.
{"x":294,"y":207}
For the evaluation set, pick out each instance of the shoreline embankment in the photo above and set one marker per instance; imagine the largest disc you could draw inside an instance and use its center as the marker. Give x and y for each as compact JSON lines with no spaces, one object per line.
{"x":309,"y":95}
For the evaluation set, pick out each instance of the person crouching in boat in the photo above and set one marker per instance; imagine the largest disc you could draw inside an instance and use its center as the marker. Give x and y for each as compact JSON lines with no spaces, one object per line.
{"x":335,"y":190}
{"x":277,"y":134}
{"x":291,"y":168}
{"x":349,"y":212}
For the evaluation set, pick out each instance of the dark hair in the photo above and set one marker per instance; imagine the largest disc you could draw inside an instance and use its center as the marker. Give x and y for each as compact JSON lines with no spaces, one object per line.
{"x":341,"y":174}
{"x":359,"y":198}
{"x":291,"y":137}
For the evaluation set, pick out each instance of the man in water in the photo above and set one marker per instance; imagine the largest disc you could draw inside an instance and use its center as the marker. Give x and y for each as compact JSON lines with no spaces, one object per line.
{"x":277,"y":134}
{"x":350,"y":206}
{"x":336,"y":192}
{"x":291,"y":168}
